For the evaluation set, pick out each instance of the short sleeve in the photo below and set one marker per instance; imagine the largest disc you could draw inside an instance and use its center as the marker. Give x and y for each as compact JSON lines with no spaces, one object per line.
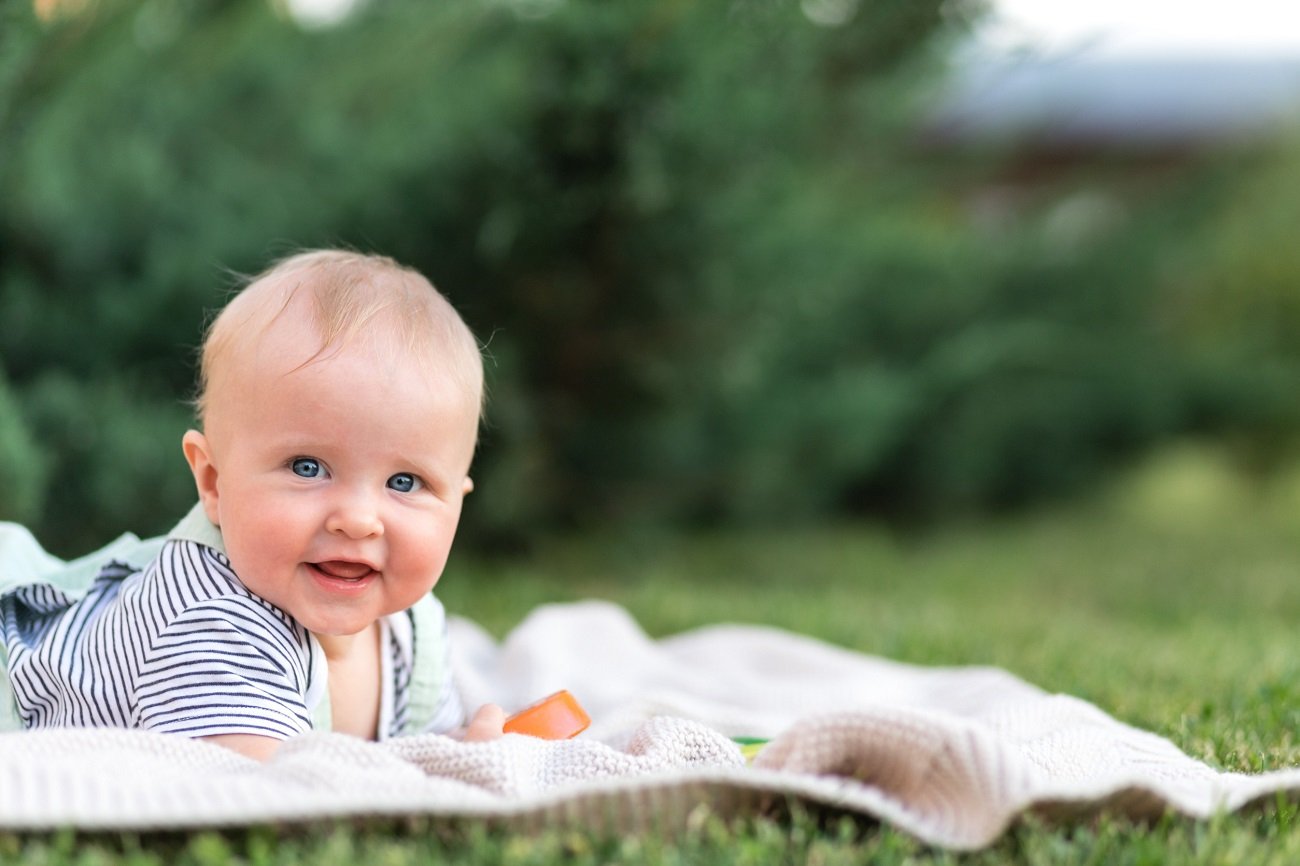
{"x":225,"y":666}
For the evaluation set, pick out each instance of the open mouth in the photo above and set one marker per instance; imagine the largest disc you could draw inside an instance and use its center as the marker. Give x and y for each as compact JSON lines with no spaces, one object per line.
{"x":349,"y":572}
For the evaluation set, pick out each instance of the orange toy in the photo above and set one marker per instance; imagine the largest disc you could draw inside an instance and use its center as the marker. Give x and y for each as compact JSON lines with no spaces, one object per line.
{"x":557,"y":717}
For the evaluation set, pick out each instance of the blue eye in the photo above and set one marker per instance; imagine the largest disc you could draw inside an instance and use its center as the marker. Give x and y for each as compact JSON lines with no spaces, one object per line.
{"x":306,"y":467}
{"x":404,"y":482}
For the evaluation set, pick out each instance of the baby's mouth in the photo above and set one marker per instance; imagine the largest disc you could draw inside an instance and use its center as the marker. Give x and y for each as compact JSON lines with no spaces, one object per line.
{"x":343,"y":570}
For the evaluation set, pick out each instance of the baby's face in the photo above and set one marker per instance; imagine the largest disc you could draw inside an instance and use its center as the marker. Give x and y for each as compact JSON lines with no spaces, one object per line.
{"x":338,"y":485}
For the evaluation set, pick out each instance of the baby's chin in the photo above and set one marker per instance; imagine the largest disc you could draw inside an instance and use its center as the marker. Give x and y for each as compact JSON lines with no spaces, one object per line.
{"x":337,"y":620}
{"x":335,"y":638}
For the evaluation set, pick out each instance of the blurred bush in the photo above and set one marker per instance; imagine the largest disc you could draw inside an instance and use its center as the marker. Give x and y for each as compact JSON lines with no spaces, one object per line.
{"x":22,"y":464}
{"x":717,"y":278}
{"x":1235,"y":302}
{"x":114,"y":456}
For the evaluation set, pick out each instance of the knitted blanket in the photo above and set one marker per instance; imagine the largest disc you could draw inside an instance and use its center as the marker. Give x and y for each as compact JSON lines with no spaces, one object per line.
{"x":952,"y":756}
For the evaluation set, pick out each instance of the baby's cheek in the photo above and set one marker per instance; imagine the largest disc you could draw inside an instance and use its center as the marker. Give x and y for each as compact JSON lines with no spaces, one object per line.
{"x":419,"y":568}
{"x":261,"y":565}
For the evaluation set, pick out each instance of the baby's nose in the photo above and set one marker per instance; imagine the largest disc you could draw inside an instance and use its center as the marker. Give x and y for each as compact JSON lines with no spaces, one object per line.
{"x":355,"y":517}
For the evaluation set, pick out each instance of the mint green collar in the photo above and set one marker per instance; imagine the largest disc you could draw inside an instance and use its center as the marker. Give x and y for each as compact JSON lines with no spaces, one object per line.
{"x":196,"y":527}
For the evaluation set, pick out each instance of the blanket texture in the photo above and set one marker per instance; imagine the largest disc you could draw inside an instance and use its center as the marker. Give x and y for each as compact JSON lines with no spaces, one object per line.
{"x":952,"y":756}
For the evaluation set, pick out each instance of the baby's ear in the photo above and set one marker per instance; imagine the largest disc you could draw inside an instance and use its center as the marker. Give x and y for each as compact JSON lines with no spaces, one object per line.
{"x":199,"y":455}
{"x":468,"y":487}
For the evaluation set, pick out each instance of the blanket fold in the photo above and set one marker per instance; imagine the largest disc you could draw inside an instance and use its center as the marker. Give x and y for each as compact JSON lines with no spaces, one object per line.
{"x":951,"y":755}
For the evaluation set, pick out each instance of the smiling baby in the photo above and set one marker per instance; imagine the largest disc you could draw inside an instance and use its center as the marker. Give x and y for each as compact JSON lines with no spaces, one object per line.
{"x":339,"y":405}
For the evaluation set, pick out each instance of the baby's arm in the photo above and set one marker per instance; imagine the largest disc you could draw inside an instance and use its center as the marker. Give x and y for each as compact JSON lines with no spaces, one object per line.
{"x":249,"y":745}
{"x":485,"y":726}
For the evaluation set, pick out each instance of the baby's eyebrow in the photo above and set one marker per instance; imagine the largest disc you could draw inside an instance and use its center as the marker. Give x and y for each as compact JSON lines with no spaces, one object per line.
{"x":415,"y":466}
{"x":433,"y":477}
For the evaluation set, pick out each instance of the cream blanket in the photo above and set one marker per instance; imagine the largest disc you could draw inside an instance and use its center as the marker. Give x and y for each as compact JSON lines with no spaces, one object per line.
{"x":950,"y":755}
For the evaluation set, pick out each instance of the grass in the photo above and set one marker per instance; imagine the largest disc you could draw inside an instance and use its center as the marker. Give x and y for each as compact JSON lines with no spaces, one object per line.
{"x":1178,"y":621}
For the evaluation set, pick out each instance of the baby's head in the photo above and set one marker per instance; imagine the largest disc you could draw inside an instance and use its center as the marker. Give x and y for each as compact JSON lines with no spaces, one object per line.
{"x":339,"y":402}
{"x":344,"y":295}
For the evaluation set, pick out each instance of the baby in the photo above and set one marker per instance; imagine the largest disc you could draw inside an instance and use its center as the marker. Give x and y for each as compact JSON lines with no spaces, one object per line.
{"x":339,"y":403}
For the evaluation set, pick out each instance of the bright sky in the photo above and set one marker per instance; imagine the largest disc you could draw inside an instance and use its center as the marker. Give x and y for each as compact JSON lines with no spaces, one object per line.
{"x":1250,"y":28}
{"x":319,"y":12}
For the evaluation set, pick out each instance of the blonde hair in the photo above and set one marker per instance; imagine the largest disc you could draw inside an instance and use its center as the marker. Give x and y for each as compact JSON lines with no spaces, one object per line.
{"x":348,"y":291}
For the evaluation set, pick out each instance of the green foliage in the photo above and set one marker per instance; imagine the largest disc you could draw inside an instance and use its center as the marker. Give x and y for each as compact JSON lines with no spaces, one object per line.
{"x":1236,"y":303}
{"x":22,"y":463}
{"x":1245,"y":294}
{"x":717,"y":278}
{"x":114,"y":458}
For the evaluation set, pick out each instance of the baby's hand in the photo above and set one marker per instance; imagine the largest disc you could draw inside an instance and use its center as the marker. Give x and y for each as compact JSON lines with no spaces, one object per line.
{"x":486,"y":724}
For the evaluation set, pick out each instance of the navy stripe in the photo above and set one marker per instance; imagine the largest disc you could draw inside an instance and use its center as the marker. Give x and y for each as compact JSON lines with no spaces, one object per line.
{"x":203,"y":725}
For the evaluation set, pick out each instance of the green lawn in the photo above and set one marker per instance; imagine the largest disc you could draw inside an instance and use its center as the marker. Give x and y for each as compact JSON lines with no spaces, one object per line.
{"x":1181,"y":625}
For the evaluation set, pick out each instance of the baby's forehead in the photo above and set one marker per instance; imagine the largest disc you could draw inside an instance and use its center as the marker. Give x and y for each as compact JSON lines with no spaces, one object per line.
{"x":283,"y":322}
{"x":321,"y":304}
{"x":294,"y":339}
{"x":371,"y":305}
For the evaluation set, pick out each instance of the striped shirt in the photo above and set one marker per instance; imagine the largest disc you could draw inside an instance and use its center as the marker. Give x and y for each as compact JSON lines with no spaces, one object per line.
{"x":181,"y":646}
